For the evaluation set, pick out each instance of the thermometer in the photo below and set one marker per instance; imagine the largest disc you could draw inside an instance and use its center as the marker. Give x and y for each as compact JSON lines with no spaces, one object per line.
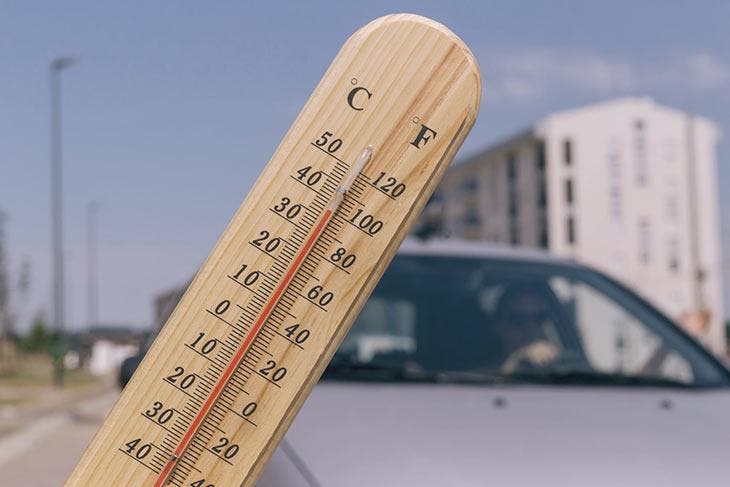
{"x":257,"y":326}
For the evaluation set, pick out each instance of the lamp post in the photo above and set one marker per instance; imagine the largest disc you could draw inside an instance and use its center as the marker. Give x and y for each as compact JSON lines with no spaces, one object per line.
{"x":56,"y":67}
{"x":92,"y":264}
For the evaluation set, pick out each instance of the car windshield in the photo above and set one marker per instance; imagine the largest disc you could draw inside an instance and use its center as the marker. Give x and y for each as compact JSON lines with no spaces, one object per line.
{"x":447,"y":319}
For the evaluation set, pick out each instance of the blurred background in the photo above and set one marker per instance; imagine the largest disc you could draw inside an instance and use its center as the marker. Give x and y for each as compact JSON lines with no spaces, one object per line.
{"x":130,"y":133}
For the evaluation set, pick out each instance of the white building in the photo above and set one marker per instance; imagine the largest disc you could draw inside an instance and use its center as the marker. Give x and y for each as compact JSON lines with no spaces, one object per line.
{"x":107,"y":356}
{"x":627,"y":186}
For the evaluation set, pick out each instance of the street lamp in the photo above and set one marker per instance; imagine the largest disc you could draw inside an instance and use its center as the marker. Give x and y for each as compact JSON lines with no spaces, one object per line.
{"x":92,"y":264}
{"x":56,"y":66}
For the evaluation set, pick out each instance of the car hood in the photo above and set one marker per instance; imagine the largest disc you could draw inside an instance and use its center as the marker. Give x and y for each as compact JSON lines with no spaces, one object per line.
{"x":352,"y":435}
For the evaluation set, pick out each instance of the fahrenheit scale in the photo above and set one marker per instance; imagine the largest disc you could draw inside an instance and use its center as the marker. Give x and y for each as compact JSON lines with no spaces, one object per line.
{"x":276,"y":296}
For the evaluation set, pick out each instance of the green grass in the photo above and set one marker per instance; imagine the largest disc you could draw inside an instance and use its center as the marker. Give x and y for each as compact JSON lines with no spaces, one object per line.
{"x":37,"y":371}
{"x":11,"y":401}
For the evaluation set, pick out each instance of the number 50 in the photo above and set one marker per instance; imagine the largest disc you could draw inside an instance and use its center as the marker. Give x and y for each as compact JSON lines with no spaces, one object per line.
{"x":330,"y":146}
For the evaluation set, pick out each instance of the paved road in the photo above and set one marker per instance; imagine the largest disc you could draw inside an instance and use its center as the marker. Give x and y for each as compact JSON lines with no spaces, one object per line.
{"x":43,"y":453}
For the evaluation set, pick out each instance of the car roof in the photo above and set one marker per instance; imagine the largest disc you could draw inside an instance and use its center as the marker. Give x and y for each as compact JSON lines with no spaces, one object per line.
{"x":452,"y":247}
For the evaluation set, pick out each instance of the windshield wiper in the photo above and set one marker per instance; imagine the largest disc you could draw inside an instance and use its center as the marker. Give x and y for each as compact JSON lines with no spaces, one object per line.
{"x":476,"y":377}
{"x":348,"y":368}
{"x":589,"y":377}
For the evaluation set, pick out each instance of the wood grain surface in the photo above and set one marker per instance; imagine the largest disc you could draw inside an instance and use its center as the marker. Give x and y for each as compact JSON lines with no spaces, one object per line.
{"x":403,"y":84}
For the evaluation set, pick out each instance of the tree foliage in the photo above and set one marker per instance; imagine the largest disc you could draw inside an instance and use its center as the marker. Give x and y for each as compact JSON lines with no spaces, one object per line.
{"x":38,"y":338}
{"x":5,"y":326}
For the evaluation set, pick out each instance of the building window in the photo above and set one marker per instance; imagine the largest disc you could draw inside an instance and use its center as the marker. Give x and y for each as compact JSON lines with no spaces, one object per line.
{"x":494,"y":183}
{"x":615,"y":190}
{"x":541,"y":180}
{"x":542,"y":228}
{"x":514,"y":232}
{"x":570,"y":230}
{"x":567,"y":152}
{"x":471,"y":216}
{"x":511,"y":167}
{"x":542,"y":231}
{"x":470,"y":184}
{"x":542,"y":196}
{"x":540,"y":156}
{"x":674,"y":254}
{"x":569,"y":191}
{"x":644,"y":241}
{"x":640,"y":157}
{"x":512,"y":201}
{"x":672,"y":206}
{"x":512,"y":204}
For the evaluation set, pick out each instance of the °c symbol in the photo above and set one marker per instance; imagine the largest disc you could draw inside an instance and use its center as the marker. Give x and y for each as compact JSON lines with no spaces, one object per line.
{"x":352,"y":97}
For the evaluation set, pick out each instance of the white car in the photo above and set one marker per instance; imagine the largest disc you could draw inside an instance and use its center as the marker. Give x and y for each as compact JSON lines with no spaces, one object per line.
{"x":478,"y":366}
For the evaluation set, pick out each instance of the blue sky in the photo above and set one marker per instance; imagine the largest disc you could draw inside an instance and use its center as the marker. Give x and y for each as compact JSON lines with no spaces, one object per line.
{"x":176,"y":106}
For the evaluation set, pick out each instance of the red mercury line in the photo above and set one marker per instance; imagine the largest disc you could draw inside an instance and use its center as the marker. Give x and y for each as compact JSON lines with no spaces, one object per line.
{"x":254,"y":331}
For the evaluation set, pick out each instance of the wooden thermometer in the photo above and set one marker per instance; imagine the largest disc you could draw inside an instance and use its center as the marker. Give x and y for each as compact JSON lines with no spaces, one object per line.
{"x":231,"y":368}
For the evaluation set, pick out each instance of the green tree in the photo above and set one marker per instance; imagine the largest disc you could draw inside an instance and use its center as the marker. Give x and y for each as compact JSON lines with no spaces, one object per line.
{"x":5,"y":322}
{"x":38,"y":338}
